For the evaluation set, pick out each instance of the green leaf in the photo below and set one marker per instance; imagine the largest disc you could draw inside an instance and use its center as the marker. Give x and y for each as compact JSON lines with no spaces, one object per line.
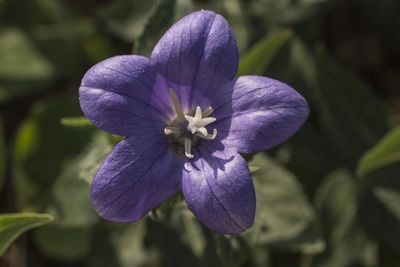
{"x":284,"y":217}
{"x":13,"y":225}
{"x":161,"y":18}
{"x":43,"y":147}
{"x":235,"y":15}
{"x":274,"y":13}
{"x":385,"y":152}
{"x":63,"y":36}
{"x":170,"y":243}
{"x":203,"y":247}
{"x":2,"y":155}
{"x":63,"y":243}
{"x":257,"y":59}
{"x":75,"y":181}
{"x":127,"y":18}
{"x":337,"y":205}
{"x":76,"y":121}
{"x":379,"y":202}
{"x":129,"y":247}
{"x":346,"y":106}
{"x":387,"y":257}
{"x":189,"y":229}
{"x":310,"y":155}
{"x":27,"y":64}
{"x":390,"y":198}
{"x":23,"y":72}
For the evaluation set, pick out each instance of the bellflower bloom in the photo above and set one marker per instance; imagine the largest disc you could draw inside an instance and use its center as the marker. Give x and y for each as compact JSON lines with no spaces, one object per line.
{"x":186,"y":118}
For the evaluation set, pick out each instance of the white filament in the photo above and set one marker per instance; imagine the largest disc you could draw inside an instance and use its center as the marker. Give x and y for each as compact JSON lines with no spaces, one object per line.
{"x":188,"y":148}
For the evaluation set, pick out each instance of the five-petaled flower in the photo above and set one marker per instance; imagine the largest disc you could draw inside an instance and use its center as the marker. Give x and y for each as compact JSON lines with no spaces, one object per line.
{"x":186,"y":118}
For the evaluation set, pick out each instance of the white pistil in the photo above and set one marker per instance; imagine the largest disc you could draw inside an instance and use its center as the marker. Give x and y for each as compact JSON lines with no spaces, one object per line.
{"x":197,"y":123}
{"x":188,"y":148}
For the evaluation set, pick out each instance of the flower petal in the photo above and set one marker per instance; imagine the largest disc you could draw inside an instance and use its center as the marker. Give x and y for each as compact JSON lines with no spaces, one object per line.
{"x":136,"y":177}
{"x":115,"y":96}
{"x":263,"y":113}
{"x":219,"y":190}
{"x":196,"y":56}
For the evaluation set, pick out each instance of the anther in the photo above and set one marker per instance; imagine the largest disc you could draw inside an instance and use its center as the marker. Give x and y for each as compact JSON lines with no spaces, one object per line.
{"x":188,"y":148}
{"x":171,"y":130}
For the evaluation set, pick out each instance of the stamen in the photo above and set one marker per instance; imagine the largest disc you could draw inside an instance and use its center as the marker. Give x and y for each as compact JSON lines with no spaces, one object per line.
{"x":177,"y":105}
{"x":171,"y":130}
{"x":208,"y":136}
{"x":188,"y":148}
{"x":207,"y":112}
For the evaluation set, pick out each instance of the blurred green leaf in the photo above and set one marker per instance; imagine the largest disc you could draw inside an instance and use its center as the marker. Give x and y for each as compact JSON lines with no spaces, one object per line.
{"x":388,"y":257}
{"x":190,"y":230}
{"x":162,"y":16}
{"x":31,"y":12}
{"x":284,"y":12}
{"x":231,"y":251}
{"x":24,"y":70}
{"x":284,"y":217}
{"x":167,"y":240}
{"x":257,"y":59}
{"x":390,"y":198}
{"x":103,"y":247}
{"x":76,"y":121}
{"x":20,"y":58}
{"x":63,"y":44}
{"x":60,"y":34}
{"x":344,"y":105}
{"x":63,"y":243}
{"x":43,"y":147}
{"x":129,"y":246}
{"x":337,"y":205}
{"x":169,"y":205}
{"x":127,"y":19}
{"x":260,"y":257}
{"x":3,"y":153}
{"x":75,"y":181}
{"x":379,"y":204}
{"x":385,"y":152}
{"x":235,"y":15}
{"x":13,"y":225}
{"x":204,"y":247}
{"x":310,"y":155}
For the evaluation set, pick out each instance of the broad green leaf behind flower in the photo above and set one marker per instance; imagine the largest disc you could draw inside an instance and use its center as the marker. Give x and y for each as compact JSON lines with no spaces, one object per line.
{"x":2,"y":154}
{"x":13,"y":225}
{"x":337,"y":206}
{"x":256,"y":60}
{"x":284,"y":217}
{"x":385,"y":152}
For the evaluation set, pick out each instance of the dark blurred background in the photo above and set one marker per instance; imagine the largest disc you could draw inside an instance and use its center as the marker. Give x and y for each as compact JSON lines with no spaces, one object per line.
{"x":319,"y":201}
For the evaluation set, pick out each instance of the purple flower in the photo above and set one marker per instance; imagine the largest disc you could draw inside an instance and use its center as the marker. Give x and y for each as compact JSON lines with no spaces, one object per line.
{"x":186,"y":118}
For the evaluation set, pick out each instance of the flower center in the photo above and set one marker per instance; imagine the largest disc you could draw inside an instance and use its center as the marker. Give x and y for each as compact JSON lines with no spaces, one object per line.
{"x":186,"y":130}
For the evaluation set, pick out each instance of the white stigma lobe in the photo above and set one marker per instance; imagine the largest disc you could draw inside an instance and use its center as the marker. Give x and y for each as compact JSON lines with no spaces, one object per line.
{"x":197,"y":123}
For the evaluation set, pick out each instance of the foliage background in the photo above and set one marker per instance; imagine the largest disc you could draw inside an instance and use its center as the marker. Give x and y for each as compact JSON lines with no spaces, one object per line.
{"x":329,"y":197}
